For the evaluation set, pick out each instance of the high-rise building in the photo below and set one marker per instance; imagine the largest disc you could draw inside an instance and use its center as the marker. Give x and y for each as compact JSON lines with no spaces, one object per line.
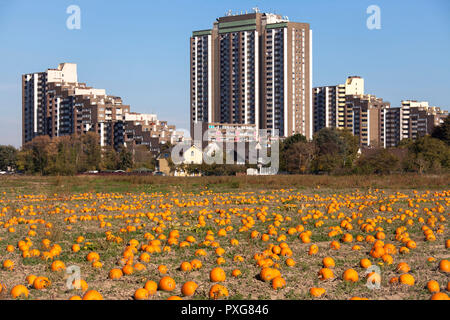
{"x":253,"y":69}
{"x":56,"y":104}
{"x":368,"y":113}
{"x":39,"y":111}
{"x":329,"y":104}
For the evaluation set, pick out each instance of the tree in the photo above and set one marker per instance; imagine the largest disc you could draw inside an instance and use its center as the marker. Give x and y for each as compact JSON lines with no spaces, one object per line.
{"x":377,"y":161}
{"x":8,"y":157}
{"x":125,"y":159}
{"x":91,"y":153}
{"x":110,"y":159}
{"x":285,"y":145}
{"x":336,"y":150}
{"x":442,"y":132}
{"x":299,"y":157}
{"x":428,"y":154}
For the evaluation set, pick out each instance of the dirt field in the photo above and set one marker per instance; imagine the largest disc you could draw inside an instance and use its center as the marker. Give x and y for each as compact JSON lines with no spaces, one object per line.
{"x":259,"y":222}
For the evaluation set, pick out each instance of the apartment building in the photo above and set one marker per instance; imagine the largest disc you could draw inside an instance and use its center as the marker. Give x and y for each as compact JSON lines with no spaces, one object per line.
{"x":329,"y":104}
{"x":368,"y":119}
{"x":56,"y":104}
{"x":146,"y":129}
{"x":253,"y":69}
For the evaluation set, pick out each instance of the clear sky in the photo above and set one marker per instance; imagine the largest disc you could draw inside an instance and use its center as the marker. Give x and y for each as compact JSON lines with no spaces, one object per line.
{"x":139,"y":50}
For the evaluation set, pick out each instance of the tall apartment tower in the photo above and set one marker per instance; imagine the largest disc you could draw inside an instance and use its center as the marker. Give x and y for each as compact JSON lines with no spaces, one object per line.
{"x":329,"y":105}
{"x":39,"y":112}
{"x":253,"y":69}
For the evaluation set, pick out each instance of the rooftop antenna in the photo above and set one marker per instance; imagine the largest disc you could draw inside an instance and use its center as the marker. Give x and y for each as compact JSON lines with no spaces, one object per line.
{"x":255,"y":9}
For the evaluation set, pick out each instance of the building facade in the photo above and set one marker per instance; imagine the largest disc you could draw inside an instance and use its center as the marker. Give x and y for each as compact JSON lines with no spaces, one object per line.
{"x":54,"y":103}
{"x":253,"y":69}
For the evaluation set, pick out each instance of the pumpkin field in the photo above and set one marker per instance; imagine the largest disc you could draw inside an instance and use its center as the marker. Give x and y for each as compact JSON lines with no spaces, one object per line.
{"x":85,"y":238}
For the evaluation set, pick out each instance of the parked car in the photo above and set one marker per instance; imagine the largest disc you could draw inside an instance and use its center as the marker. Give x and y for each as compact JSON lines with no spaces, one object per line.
{"x":3,"y":172}
{"x":119,"y":171}
{"x":159,"y":173}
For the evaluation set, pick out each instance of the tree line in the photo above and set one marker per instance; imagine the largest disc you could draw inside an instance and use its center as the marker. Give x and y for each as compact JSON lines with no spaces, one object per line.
{"x":331,"y":151}
{"x":334,"y":151}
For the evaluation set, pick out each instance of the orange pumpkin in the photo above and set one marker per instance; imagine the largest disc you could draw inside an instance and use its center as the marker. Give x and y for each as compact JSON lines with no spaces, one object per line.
{"x":350,"y":275}
{"x":167,"y":284}
{"x":115,"y":274}
{"x":444,"y":266}
{"x":58,"y":265}
{"x":278,"y":283}
{"x":407,"y":279}
{"x":325,"y":274}
{"x":440,"y":296}
{"x":19,"y":291}
{"x":93,"y":256}
{"x":217,"y":275}
{"x":41,"y":283}
{"x":433,"y":286}
{"x":141,"y":294}
{"x":185,"y":266}
{"x":151,"y":287}
{"x":317,"y":292}
{"x":218,"y":291}
{"x":328,"y":262}
{"x":92,"y":295}
{"x":188,"y":289}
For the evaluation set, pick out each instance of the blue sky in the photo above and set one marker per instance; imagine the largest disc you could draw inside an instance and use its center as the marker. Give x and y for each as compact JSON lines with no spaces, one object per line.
{"x":139,"y":50}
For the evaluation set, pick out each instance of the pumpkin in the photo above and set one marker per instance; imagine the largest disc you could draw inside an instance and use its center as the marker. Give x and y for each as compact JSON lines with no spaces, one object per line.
{"x":75,"y":298}
{"x":185,"y":266}
{"x":151,"y":287}
{"x":8,"y":265}
{"x":236,"y":273}
{"x":328,"y":262}
{"x":115,"y":274}
{"x":444,"y":266}
{"x":278,"y":283}
{"x":127,"y":269}
{"x":440,"y":296}
{"x":58,"y":265}
{"x":141,"y":294}
{"x":92,"y":295}
{"x":92,"y":256}
{"x":30,"y":279}
{"x":144,"y":257}
{"x":217,"y":275}
{"x":365,"y":263}
{"x":188,"y":289}
{"x":174,"y":298}
{"x":139,"y":267}
{"x":350,"y":275}
{"x":403,"y":267}
{"x":325,"y":274}
{"x":218,"y":291}
{"x":167,"y":284}
{"x":267,"y":274}
{"x":41,"y":283}
{"x":407,"y":279}
{"x":317,"y":292}
{"x":162,"y":269}
{"x":19,"y":291}
{"x":433,"y":286}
